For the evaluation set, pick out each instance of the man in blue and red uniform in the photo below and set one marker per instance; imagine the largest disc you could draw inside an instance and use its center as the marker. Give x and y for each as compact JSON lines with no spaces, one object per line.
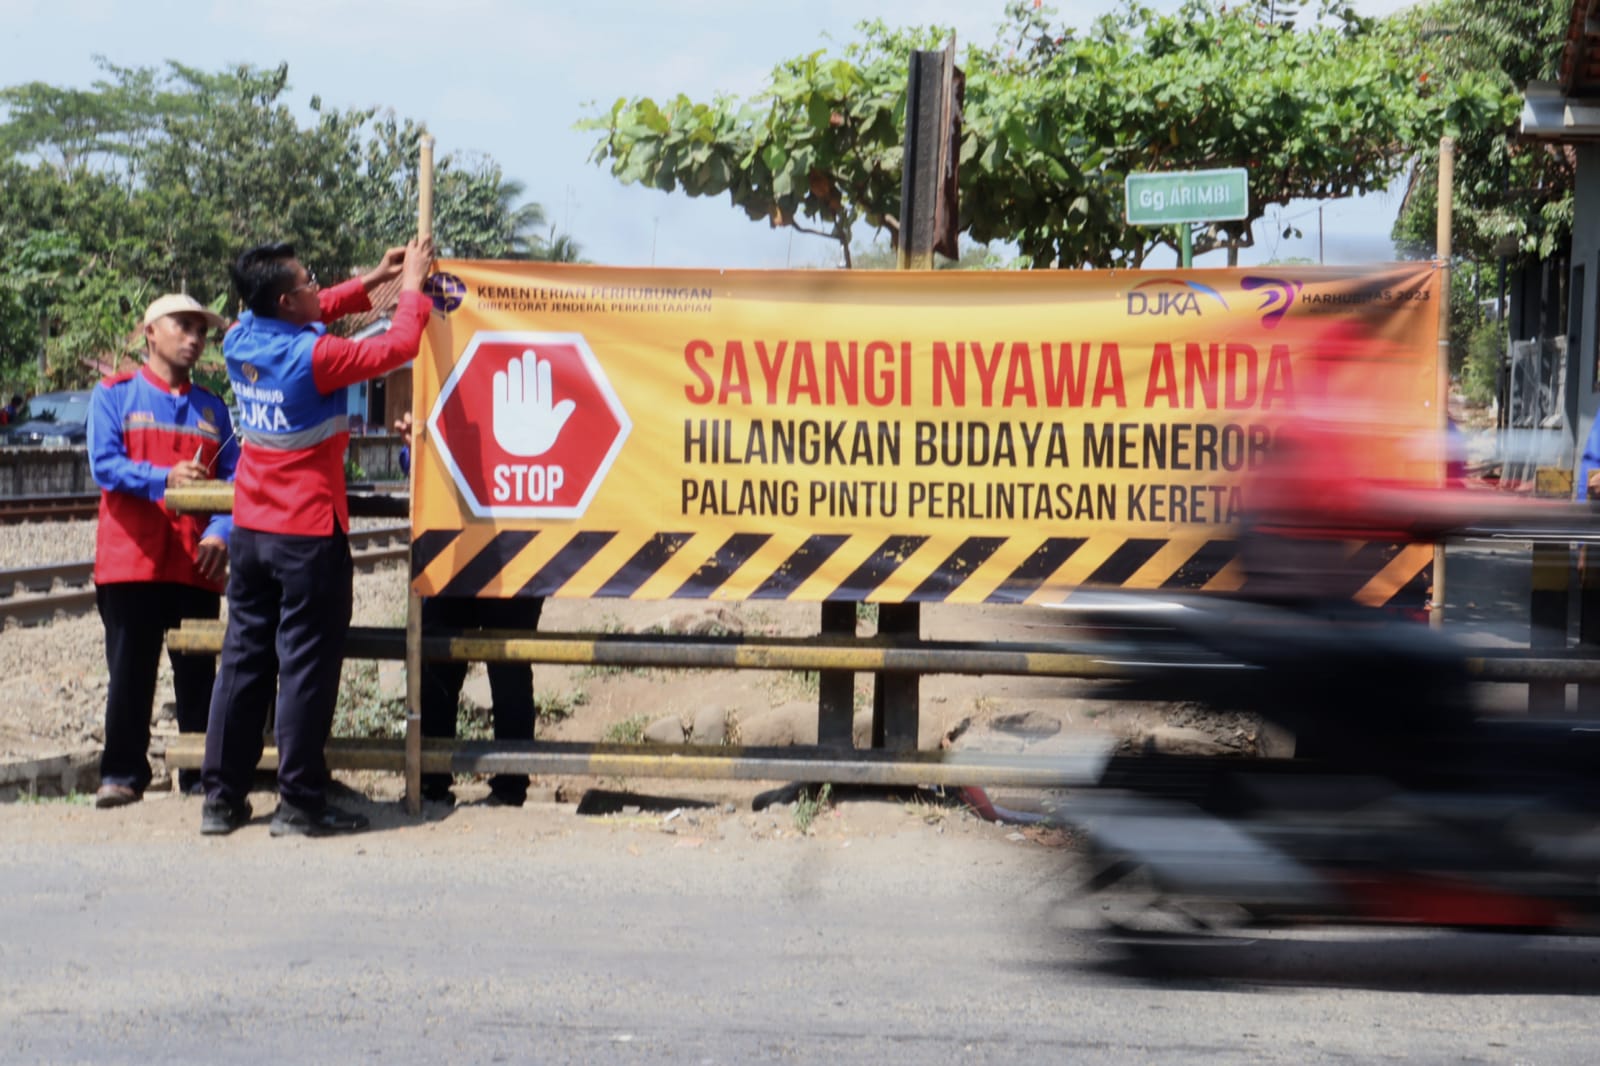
{"x":289,"y":595}
{"x":153,"y":429}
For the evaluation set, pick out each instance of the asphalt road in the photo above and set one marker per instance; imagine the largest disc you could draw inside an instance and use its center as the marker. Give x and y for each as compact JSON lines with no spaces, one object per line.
{"x":896,"y":933}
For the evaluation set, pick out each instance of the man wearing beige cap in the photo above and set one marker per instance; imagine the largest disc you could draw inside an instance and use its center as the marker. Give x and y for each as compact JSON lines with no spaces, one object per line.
{"x":153,"y":429}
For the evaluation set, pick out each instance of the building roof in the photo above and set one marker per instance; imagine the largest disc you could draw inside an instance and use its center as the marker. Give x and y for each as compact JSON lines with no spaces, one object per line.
{"x":385,"y":298}
{"x":1580,"y":62}
{"x":1568,"y":109}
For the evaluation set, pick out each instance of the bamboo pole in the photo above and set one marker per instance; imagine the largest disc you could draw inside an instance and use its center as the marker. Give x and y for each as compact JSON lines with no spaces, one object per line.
{"x":1447,"y":180}
{"x":413,"y":601}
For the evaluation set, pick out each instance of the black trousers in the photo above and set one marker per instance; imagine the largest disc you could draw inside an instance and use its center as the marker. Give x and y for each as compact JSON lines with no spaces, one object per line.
{"x":289,"y":604}
{"x":510,"y":684}
{"x":137,"y":615}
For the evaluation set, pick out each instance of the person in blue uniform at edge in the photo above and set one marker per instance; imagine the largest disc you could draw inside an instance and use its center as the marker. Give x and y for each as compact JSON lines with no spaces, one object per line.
{"x":510,"y":684}
{"x":290,"y":594}
{"x":1587,"y":485}
{"x":151,"y":430}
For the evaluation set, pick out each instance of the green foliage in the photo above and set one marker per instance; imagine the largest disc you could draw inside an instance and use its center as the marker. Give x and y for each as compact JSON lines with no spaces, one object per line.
{"x":1466,"y":312}
{"x":1327,"y":106}
{"x":362,"y":710}
{"x":559,"y":706}
{"x":477,"y":723}
{"x":807,"y":806}
{"x":822,"y":143}
{"x":71,"y":799}
{"x":477,"y":209}
{"x":628,"y":731}
{"x":1485,"y":352}
{"x":154,"y":179}
{"x":1510,"y":197}
{"x":882,"y":256}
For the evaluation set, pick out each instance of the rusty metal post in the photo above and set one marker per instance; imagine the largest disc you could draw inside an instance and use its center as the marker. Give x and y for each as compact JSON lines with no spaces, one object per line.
{"x":927,"y":178}
{"x":927,"y":224}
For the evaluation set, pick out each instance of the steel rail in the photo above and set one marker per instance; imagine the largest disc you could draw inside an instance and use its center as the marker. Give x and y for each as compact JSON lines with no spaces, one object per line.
{"x":44,"y":578}
{"x":48,"y":508}
{"x":62,"y":594}
{"x":41,"y":610}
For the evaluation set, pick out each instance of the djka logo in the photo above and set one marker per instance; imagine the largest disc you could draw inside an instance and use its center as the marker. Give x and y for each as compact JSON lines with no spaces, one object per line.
{"x":1170,"y":296}
{"x":1277,"y":297}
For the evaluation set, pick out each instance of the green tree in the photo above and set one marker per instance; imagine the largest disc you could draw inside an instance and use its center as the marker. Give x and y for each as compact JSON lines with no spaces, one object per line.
{"x":64,"y":291}
{"x":1510,"y":196}
{"x":479,"y":213}
{"x":240,"y":169}
{"x":154,"y":179}
{"x":1326,"y":106}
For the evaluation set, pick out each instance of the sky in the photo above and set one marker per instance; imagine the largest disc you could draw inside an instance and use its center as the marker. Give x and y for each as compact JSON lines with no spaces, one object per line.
{"x":509,"y":78}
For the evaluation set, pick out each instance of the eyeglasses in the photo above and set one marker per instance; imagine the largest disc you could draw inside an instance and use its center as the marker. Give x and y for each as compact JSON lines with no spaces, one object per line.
{"x":311,"y":283}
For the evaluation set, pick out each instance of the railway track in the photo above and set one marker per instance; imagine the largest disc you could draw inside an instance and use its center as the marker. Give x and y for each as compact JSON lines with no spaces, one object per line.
{"x":367,"y":500}
{"x":59,"y":508}
{"x":37,"y":595}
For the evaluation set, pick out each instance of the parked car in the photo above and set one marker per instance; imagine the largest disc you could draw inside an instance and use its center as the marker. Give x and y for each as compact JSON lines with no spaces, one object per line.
{"x":52,"y":420}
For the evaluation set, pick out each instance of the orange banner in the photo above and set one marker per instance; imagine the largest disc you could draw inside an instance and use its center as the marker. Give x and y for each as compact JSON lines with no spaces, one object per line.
{"x":885,"y":436}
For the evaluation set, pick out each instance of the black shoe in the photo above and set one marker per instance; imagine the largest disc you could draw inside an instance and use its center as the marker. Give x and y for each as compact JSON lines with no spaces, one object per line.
{"x":115,"y":796}
{"x":219,"y":817}
{"x":330,"y":821}
{"x":189,"y":783}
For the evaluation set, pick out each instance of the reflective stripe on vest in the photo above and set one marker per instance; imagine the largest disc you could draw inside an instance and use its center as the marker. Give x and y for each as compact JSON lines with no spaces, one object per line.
{"x":305,"y":438}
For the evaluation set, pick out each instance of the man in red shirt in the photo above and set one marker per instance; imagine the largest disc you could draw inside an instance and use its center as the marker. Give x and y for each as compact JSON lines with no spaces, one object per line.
{"x":290,"y":596}
{"x":150,"y":430}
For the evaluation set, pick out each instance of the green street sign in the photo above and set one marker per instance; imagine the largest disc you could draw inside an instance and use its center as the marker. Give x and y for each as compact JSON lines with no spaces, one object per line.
{"x":1187,"y":196}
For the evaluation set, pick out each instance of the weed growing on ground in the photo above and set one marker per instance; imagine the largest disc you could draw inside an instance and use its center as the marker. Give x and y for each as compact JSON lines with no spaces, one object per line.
{"x":807,"y":807}
{"x":361,"y":711}
{"x":71,"y":799}
{"x":628,"y":731}
{"x":559,"y":706}
{"x":925,"y":810}
{"x":473,"y":722}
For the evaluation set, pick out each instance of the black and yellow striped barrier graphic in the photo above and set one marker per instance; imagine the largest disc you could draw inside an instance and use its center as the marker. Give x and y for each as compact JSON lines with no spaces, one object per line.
{"x":682,"y":565}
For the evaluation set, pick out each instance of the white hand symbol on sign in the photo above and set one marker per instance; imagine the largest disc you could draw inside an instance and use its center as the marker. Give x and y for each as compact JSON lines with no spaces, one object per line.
{"x":526,"y":422}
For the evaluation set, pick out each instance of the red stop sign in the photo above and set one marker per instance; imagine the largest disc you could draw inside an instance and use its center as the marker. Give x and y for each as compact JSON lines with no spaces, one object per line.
{"x":528,"y":425}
